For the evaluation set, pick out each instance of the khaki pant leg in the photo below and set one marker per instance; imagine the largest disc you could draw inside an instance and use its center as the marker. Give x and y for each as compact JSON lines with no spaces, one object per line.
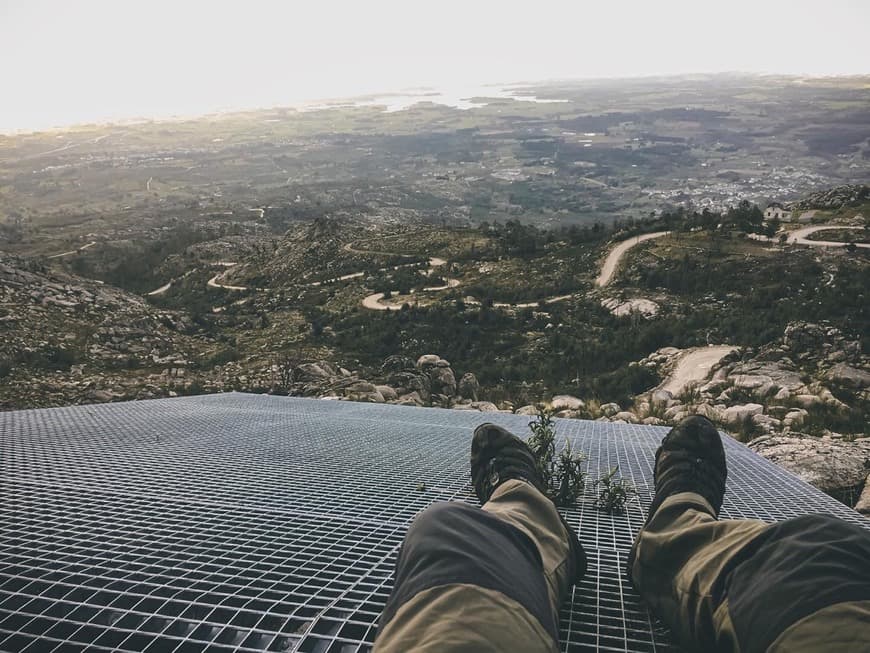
{"x":467,"y":580}
{"x":680,"y":554}
{"x":839,"y":628}
{"x":523,"y":506}
{"x":463,"y":619}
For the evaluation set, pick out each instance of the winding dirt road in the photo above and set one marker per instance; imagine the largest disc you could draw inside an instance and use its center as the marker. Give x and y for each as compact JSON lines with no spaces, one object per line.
{"x":799,"y":237}
{"x":688,"y":369}
{"x":376,"y":302}
{"x":548,"y":300}
{"x":214,"y":282}
{"x":608,"y":270}
{"x":74,"y":251}
{"x":162,"y":289}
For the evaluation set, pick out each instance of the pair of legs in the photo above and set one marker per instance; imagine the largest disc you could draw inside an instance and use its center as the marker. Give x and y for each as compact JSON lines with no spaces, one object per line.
{"x":493,"y":579}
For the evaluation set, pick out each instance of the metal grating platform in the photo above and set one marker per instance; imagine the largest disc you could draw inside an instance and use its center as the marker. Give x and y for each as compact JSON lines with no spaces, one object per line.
{"x":257,"y":523}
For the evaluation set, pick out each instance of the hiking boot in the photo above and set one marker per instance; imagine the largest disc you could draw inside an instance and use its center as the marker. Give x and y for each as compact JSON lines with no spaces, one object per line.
{"x":497,"y":456}
{"x":690,"y":459}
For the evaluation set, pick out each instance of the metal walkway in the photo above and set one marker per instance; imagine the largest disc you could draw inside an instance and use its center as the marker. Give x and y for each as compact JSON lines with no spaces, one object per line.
{"x":257,"y":523}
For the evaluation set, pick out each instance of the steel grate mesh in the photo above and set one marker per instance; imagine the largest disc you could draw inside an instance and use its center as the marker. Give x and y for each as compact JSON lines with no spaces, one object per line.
{"x":258,"y":523}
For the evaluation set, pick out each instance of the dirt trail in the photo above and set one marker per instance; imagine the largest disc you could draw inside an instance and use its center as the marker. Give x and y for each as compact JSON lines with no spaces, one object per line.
{"x":162,"y":289}
{"x":694,"y":365}
{"x":74,"y":251}
{"x":612,"y":261}
{"x":214,"y":282}
{"x":548,"y":300}
{"x":799,"y":236}
{"x":375,"y":301}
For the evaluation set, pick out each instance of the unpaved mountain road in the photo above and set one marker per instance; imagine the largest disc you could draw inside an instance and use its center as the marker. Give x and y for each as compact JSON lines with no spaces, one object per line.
{"x":375,"y":302}
{"x":608,"y":269}
{"x":799,"y":237}
{"x":215,"y":281}
{"x":687,"y":370}
{"x":73,"y":251}
{"x":159,"y":291}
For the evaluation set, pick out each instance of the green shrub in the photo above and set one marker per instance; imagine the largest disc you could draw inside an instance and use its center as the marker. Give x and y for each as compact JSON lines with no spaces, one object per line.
{"x":194,"y":388}
{"x":63,"y":358}
{"x":614,"y":492}
{"x":568,"y":477}
{"x":562,"y":475}
{"x":542,"y":443}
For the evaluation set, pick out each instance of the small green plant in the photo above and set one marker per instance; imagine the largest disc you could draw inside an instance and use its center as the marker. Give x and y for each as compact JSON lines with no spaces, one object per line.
{"x":614,"y":492}
{"x":568,"y":477}
{"x":562,"y":474}
{"x":543,"y":443}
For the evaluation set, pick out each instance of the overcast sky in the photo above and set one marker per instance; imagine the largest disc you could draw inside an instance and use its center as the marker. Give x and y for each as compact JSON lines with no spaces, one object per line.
{"x":68,"y":61}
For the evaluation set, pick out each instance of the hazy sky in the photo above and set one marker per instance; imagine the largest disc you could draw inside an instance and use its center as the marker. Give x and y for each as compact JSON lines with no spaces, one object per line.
{"x":67,"y":61}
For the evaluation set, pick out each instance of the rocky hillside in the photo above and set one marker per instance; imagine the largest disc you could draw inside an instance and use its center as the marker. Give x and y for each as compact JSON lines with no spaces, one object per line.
{"x":67,"y":340}
{"x":315,"y":251}
{"x":834,"y":198}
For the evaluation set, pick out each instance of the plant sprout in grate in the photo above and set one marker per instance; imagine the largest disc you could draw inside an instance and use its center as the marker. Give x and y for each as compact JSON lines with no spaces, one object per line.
{"x":257,"y":523}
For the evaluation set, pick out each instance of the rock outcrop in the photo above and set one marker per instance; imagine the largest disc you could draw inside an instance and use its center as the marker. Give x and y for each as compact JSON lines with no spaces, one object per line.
{"x":848,"y":377}
{"x":430,"y":381}
{"x":834,"y":198}
{"x":835,"y":467}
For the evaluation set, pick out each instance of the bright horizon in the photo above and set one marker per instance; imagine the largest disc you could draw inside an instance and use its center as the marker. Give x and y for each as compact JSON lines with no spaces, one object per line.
{"x":111,"y":60}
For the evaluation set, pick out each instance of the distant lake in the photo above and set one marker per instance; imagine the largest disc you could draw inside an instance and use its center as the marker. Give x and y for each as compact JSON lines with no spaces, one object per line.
{"x":458,"y":99}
